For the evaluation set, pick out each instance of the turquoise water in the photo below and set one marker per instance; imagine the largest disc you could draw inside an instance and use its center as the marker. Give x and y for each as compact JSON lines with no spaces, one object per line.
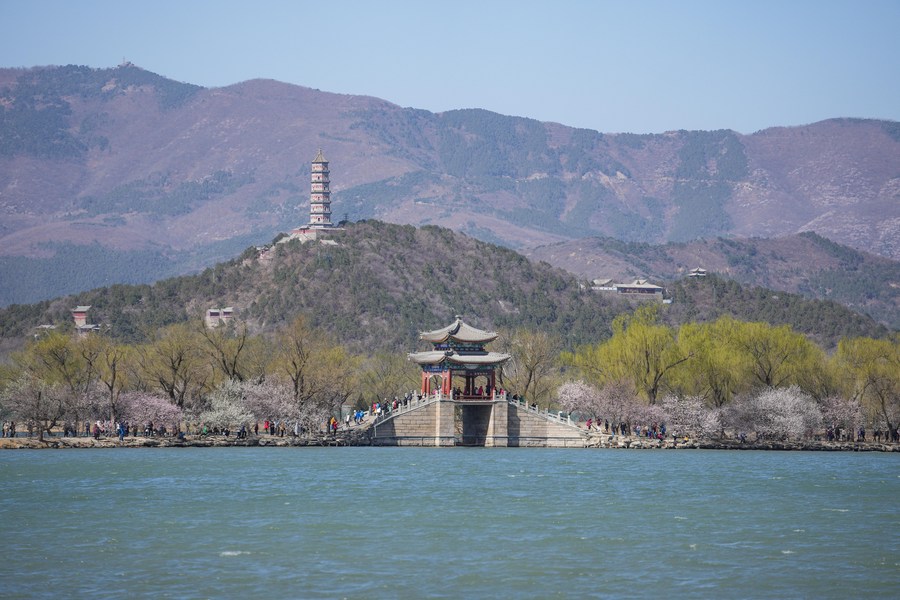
{"x":452,"y":523}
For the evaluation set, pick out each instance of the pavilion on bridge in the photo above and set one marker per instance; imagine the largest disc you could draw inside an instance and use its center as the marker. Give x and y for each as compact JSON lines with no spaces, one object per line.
{"x":458,"y":365}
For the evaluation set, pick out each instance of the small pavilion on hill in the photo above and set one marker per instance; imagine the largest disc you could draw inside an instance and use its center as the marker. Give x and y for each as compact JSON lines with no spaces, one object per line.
{"x":458,"y":365}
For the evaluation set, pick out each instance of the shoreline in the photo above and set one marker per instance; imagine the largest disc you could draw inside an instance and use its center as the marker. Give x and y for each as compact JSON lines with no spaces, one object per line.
{"x":359,"y":437}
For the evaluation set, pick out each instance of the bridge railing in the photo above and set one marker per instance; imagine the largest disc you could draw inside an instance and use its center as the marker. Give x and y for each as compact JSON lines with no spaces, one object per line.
{"x":404,"y":406}
{"x":558,"y":416}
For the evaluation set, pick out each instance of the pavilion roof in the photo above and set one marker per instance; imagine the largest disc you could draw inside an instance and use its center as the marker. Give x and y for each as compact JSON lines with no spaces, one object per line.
{"x":320,"y":158}
{"x":436,"y":357}
{"x":458,"y":331}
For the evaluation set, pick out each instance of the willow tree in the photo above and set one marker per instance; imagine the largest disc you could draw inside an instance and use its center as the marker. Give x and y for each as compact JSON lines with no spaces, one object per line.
{"x":641,"y":351}
{"x":777,"y":356}
{"x":387,"y":374}
{"x":174,"y":364}
{"x":322,"y":374}
{"x":113,"y":363}
{"x":715,"y":372}
{"x":66,"y":365}
{"x":871,"y":375}
{"x":237,"y":355}
{"x":33,"y":399}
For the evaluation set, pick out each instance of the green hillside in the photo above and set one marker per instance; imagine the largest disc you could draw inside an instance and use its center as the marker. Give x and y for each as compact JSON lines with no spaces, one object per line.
{"x":379,"y":284}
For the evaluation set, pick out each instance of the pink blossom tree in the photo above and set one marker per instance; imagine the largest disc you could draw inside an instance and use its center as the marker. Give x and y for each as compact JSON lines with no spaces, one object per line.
{"x":144,"y":407}
{"x":578,"y":397}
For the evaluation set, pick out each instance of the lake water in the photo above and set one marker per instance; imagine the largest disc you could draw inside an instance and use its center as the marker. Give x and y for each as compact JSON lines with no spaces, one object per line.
{"x":452,"y":523}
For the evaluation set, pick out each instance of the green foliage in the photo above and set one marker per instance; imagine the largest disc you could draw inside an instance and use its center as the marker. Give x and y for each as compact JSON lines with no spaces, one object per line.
{"x":479,"y":142}
{"x":35,"y":114}
{"x":381,"y":284}
{"x":157,"y":197}
{"x":709,"y":161}
{"x":709,"y":298}
{"x":74,"y":267}
{"x":363,"y":201}
{"x":717,"y":155}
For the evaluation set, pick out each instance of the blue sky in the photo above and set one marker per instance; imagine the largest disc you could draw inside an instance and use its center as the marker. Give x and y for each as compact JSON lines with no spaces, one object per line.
{"x":636,"y":66}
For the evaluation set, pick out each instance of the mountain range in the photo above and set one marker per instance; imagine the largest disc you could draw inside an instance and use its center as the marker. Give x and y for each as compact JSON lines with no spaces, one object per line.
{"x":123,"y":176}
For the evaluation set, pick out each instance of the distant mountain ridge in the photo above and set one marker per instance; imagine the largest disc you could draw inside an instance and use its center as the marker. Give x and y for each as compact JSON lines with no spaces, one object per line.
{"x":177,"y":177}
{"x":805,"y":264}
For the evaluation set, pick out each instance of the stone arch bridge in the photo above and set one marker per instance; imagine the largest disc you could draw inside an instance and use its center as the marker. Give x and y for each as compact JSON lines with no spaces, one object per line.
{"x":495,"y":421}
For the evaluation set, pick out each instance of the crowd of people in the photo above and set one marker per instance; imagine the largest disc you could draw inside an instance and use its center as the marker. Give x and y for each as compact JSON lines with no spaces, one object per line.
{"x":654,"y":431}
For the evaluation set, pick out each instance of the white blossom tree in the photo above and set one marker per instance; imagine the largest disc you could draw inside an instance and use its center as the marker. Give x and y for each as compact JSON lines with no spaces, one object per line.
{"x":691,"y":416}
{"x":226,"y":407}
{"x":842,"y":413}
{"x":268,"y":400}
{"x":778,"y":413}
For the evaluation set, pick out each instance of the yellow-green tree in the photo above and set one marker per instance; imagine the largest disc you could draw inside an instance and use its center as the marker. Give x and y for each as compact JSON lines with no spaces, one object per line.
{"x":385,"y":375}
{"x":871,"y":374}
{"x":322,"y":374}
{"x":174,"y":364}
{"x":236,"y":354}
{"x":715,"y":371}
{"x":57,"y":379}
{"x":57,"y":358}
{"x":641,"y":350}
{"x":776,"y":356}
{"x":113,"y":364}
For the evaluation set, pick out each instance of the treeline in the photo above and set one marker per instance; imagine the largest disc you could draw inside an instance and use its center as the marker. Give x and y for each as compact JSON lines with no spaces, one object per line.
{"x":72,"y":268}
{"x":699,"y":379}
{"x":745,"y":376}
{"x":221,"y":377}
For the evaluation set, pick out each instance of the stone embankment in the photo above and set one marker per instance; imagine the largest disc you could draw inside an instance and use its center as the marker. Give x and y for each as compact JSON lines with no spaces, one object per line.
{"x":634,"y":442}
{"x":353,"y":437}
{"x":361,"y":437}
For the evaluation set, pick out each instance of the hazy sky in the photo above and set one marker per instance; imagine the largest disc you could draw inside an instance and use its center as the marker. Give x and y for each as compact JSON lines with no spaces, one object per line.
{"x":637,"y":66}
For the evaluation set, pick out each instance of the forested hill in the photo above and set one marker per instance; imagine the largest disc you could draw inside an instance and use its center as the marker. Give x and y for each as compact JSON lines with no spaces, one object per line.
{"x":380,"y":284}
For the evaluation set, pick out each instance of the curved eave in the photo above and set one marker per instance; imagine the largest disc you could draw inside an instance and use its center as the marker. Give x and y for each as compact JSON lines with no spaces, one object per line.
{"x":451,"y":358}
{"x":459,"y":331}
{"x":427,"y":358}
{"x":491,"y":358}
